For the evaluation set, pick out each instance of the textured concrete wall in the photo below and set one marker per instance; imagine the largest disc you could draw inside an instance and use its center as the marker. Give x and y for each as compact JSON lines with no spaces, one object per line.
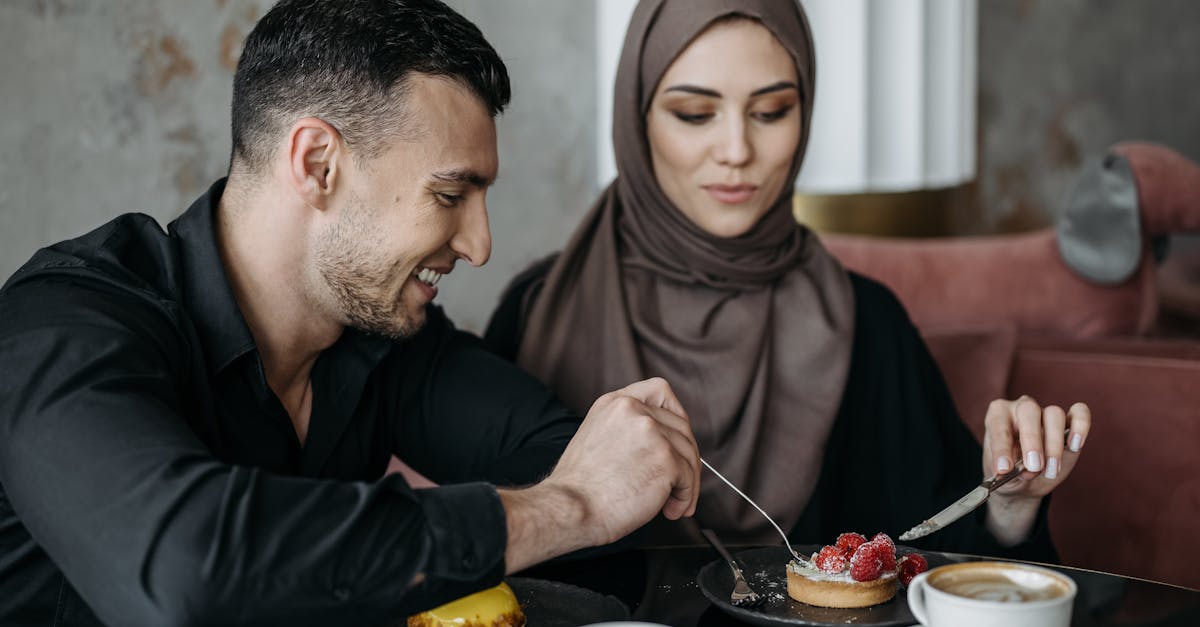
{"x":109,"y":107}
{"x":547,"y":142}
{"x":1061,"y":80}
{"x":123,"y":105}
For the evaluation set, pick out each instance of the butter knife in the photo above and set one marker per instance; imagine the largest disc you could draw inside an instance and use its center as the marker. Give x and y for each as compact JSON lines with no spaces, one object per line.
{"x":967,"y":503}
{"x":962,"y":506}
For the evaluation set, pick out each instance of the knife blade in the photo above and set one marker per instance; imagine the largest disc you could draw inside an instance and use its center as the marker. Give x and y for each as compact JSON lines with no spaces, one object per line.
{"x":963,"y":506}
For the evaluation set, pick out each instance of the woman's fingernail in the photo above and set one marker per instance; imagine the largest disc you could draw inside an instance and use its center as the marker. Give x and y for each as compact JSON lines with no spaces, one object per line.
{"x":1076,"y":442}
{"x":1033,"y":461}
{"x":1003,"y":464}
{"x":1052,"y":468}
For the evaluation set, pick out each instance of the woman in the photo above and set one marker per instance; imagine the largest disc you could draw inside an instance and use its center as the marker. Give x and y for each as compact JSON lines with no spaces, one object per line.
{"x":806,"y":385}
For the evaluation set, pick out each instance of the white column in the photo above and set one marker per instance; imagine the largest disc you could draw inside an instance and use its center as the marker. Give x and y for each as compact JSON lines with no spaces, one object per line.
{"x":837,"y":147}
{"x":949,"y":92}
{"x":612,"y":17}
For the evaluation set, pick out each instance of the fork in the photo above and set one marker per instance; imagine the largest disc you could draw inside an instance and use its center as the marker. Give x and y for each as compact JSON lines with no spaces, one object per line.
{"x":743,"y":595}
{"x":760,"y":510}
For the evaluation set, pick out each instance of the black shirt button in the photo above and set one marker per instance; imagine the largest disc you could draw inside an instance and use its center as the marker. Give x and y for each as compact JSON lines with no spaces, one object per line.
{"x":341,"y":594}
{"x":468,"y":561}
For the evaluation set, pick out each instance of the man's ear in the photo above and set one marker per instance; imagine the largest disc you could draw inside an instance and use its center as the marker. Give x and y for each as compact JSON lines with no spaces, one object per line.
{"x":315,"y":151}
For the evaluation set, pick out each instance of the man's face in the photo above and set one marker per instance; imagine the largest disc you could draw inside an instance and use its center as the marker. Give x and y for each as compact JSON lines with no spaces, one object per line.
{"x":401,"y":220}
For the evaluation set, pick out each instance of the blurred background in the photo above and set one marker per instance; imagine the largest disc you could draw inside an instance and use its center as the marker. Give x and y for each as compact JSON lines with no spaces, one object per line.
{"x":123,"y":105}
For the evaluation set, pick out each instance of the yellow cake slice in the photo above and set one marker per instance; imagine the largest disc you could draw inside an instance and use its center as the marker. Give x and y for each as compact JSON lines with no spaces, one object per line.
{"x":494,"y":607}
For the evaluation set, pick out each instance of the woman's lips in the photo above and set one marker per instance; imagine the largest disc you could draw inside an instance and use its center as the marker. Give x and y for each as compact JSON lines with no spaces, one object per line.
{"x":731,"y":194}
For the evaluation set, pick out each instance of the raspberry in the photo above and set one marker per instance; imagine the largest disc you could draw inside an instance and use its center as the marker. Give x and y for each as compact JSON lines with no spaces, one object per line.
{"x":832,"y":560}
{"x":849,"y":542}
{"x":887,"y":554}
{"x":912,"y":565}
{"x":881,"y":536}
{"x":867,"y":562}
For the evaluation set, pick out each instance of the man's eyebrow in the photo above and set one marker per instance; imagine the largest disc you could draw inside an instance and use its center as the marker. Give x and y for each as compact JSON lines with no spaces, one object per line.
{"x":712,"y":93}
{"x":463,"y":175}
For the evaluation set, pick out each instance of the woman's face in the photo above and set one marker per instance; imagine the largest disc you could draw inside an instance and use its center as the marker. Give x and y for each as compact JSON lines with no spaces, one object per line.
{"x":724,"y":125}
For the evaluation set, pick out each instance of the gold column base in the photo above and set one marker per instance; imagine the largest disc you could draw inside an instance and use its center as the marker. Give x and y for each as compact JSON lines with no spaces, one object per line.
{"x":921,"y":213}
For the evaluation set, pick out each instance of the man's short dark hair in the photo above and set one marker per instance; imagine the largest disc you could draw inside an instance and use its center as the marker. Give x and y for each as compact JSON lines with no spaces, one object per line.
{"x":346,"y":62}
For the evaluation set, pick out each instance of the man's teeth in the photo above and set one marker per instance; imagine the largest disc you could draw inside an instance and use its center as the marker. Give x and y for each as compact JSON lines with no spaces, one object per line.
{"x":429,"y":277}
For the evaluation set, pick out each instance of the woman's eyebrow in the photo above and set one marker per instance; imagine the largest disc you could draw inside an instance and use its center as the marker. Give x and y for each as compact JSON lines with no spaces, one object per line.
{"x":693,"y":89}
{"x":780,"y":86}
{"x":712,"y":93}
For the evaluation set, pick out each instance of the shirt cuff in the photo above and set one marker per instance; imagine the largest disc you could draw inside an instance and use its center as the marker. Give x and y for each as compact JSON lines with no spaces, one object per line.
{"x":469,"y":530}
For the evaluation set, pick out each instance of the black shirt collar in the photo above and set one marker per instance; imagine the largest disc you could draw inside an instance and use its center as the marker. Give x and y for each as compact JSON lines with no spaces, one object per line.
{"x":205,"y":291}
{"x":209,"y":299}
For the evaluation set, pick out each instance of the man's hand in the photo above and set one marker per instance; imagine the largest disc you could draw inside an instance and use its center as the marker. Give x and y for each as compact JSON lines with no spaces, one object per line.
{"x":633,"y":456}
{"x":1024,"y":430}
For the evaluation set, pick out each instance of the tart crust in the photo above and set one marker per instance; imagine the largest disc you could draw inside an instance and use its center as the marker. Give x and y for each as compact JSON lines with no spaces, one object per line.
{"x":833,"y":593}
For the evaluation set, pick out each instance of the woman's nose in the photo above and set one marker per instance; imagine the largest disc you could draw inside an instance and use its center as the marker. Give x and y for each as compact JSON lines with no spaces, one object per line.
{"x":733,"y":145}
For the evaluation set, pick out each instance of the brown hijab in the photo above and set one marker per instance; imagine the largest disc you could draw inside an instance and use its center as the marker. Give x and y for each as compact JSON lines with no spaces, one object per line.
{"x":753,"y":332}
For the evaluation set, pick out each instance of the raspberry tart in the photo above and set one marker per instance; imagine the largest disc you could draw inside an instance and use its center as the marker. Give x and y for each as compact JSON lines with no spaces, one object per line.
{"x":852,"y":572}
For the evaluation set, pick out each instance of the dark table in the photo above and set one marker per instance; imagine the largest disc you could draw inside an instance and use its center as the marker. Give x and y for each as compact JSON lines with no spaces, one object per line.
{"x":659,"y":585}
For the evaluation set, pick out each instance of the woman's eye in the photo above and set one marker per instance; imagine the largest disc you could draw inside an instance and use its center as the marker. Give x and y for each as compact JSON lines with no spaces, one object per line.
{"x":693,"y":118}
{"x":771,"y":116}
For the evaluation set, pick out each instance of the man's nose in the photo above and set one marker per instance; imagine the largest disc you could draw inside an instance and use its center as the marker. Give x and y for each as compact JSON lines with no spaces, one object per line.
{"x":473,"y":242}
{"x":733,"y":145}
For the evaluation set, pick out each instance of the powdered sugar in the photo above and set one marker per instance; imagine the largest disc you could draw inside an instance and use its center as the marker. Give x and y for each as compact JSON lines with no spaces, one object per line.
{"x":816,"y":574}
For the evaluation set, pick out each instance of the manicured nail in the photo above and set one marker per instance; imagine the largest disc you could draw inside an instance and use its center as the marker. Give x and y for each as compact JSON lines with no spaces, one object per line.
{"x":1052,"y":468}
{"x":1076,"y":442}
{"x":1033,"y":461}
{"x":1003,"y":464}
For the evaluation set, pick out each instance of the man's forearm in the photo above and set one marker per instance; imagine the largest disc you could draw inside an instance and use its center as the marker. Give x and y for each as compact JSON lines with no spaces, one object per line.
{"x":544,"y":521}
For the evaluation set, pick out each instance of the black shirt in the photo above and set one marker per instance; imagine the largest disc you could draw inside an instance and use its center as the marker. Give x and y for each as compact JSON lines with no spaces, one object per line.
{"x":898,"y":452}
{"x":149,"y":476}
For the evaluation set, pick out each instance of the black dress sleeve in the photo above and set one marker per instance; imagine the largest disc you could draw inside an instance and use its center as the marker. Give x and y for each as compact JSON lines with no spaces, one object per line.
{"x":899,"y":452}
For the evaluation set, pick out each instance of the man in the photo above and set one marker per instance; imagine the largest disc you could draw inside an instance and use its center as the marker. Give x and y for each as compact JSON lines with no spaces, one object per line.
{"x":192,"y":422}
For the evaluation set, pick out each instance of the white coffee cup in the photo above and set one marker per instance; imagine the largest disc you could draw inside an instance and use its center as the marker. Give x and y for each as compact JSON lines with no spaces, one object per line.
{"x":992,"y":594}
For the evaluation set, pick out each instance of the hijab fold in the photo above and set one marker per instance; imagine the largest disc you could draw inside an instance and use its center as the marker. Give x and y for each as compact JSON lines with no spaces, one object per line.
{"x":753,"y":332}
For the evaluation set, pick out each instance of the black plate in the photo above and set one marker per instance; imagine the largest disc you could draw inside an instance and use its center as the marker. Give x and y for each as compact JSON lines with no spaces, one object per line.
{"x":553,"y":604}
{"x":764,"y":570}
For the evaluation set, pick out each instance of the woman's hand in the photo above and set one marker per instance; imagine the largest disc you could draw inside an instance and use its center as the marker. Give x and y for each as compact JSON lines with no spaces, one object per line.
{"x":1047,"y":440}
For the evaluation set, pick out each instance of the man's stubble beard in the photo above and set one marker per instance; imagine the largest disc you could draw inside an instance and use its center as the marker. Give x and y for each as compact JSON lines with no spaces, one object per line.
{"x":359,"y":287}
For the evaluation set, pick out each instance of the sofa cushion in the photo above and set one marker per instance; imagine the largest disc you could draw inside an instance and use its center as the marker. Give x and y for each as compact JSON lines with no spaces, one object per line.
{"x":1003,"y":279}
{"x":1132,"y":502}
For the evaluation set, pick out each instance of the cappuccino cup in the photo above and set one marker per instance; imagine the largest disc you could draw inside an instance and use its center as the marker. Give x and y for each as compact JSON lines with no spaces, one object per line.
{"x":991,"y":594}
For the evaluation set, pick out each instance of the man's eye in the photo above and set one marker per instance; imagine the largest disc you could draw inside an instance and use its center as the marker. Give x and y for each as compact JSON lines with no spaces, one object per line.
{"x":693,"y":118}
{"x":448,"y":200}
{"x":771,"y":116}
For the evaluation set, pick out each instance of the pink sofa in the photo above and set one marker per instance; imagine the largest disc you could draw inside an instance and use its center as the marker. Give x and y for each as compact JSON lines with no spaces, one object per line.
{"x":1005,"y":316}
